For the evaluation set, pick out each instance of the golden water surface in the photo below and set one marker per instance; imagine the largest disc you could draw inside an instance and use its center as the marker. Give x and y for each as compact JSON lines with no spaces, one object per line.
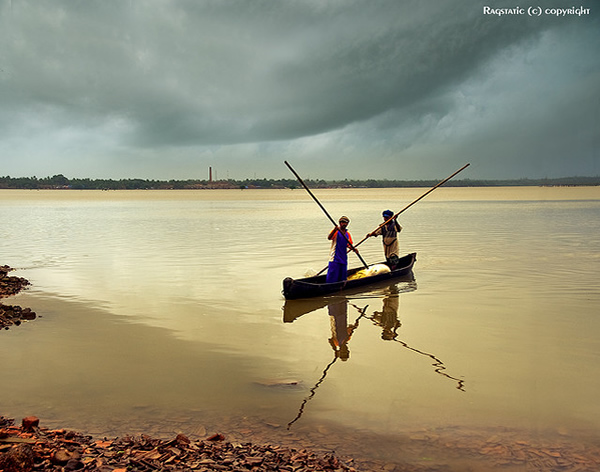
{"x":161,"y":312}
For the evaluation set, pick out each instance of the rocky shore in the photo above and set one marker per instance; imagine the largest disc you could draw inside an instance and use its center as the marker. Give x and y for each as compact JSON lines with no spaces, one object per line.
{"x":28,"y":447}
{"x":12,"y":315}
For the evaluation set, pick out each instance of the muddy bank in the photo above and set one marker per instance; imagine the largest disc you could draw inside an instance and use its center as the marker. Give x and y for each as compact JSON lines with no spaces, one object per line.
{"x":28,"y":448}
{"x":12,"y":315}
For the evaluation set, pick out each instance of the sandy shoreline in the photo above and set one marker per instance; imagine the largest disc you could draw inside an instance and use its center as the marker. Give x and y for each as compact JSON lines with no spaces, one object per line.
{"x":27,"y":447}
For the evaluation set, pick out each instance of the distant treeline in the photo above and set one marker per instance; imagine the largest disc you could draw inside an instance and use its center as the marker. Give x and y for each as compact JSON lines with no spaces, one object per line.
{"x":61,"y":182}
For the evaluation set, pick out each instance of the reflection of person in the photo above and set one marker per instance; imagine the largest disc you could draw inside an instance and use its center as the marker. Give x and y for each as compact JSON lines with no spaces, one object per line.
{"x":338,"y":258}
{"x":387,"y":318}
{"x":341,"y":332}
{"x":389,"y":233}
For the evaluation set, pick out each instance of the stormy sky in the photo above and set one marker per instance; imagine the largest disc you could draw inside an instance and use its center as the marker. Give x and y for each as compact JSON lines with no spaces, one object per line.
{"x":392,"y":89}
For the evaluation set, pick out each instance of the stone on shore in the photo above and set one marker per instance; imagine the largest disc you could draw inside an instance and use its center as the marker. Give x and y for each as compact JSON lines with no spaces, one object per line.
{"x":12,"y":315}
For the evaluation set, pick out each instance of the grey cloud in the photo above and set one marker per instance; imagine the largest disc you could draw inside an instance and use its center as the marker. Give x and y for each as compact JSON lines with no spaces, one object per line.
{"x":191,"y":74}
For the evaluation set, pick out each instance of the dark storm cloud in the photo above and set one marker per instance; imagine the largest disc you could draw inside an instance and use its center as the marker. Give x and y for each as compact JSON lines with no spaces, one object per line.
{"x":161,"y":74}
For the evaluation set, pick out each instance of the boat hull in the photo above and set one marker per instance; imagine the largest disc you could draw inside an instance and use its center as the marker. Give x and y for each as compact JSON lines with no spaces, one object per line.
{"x":317,"y":286}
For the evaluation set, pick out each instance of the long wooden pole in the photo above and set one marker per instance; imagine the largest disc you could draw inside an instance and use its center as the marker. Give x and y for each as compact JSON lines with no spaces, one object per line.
{"x":442,"y":182}
{"x":326,"y":213}
{"x":412,"y":203}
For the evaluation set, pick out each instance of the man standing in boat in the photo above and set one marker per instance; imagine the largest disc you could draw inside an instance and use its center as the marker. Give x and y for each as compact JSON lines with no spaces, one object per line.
{"x":338,"y":259}
{"x":389,"y":233}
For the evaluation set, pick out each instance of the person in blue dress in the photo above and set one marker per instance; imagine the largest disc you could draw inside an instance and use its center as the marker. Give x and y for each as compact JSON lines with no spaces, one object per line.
{"x":341,"y":241}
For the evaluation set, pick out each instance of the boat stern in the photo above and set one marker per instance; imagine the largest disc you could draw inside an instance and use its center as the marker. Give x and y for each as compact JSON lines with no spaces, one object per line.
{"x":288,"y":283}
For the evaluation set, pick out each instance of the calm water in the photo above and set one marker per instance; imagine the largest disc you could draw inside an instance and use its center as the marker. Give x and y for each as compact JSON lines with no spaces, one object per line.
{"x":162,"y":312}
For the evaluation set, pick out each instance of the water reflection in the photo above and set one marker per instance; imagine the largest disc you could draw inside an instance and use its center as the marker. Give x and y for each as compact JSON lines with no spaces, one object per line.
{"x":294,"y":309}
{"x":341,"y":333}
{"x":387,"y":318}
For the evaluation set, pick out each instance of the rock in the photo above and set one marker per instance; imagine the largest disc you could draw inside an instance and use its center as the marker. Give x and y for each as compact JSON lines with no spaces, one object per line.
{"x":18,"y":459}
{"x":61,"y":456}
{"x":74,"y":464}
{"x":30,"y":422}
{"x":281,"y":383}
{"x":12,"y":315}
{"x":28,"y":315}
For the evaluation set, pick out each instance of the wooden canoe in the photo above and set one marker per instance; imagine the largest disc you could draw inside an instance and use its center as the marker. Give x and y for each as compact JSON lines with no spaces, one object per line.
{"x":294,"y":289}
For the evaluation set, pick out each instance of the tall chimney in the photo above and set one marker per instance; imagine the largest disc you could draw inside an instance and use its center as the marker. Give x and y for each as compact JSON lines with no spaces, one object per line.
{"x":210,"y":174}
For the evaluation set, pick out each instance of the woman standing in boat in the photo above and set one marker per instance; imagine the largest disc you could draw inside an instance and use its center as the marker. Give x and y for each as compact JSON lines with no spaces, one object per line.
{"x":341,"y":240}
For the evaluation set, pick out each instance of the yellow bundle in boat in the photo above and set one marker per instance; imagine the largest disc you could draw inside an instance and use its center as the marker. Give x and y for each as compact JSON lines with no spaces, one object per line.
{"x":375,"y":269}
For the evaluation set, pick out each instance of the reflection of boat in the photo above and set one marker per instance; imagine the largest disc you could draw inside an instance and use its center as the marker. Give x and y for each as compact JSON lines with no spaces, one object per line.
{"x":316,"y":286}
{"x":387,"y":318}
{"x":294,"y":309}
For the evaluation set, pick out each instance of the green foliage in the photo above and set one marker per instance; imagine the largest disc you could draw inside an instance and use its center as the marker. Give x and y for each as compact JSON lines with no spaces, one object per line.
{"x":61,"y":182}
